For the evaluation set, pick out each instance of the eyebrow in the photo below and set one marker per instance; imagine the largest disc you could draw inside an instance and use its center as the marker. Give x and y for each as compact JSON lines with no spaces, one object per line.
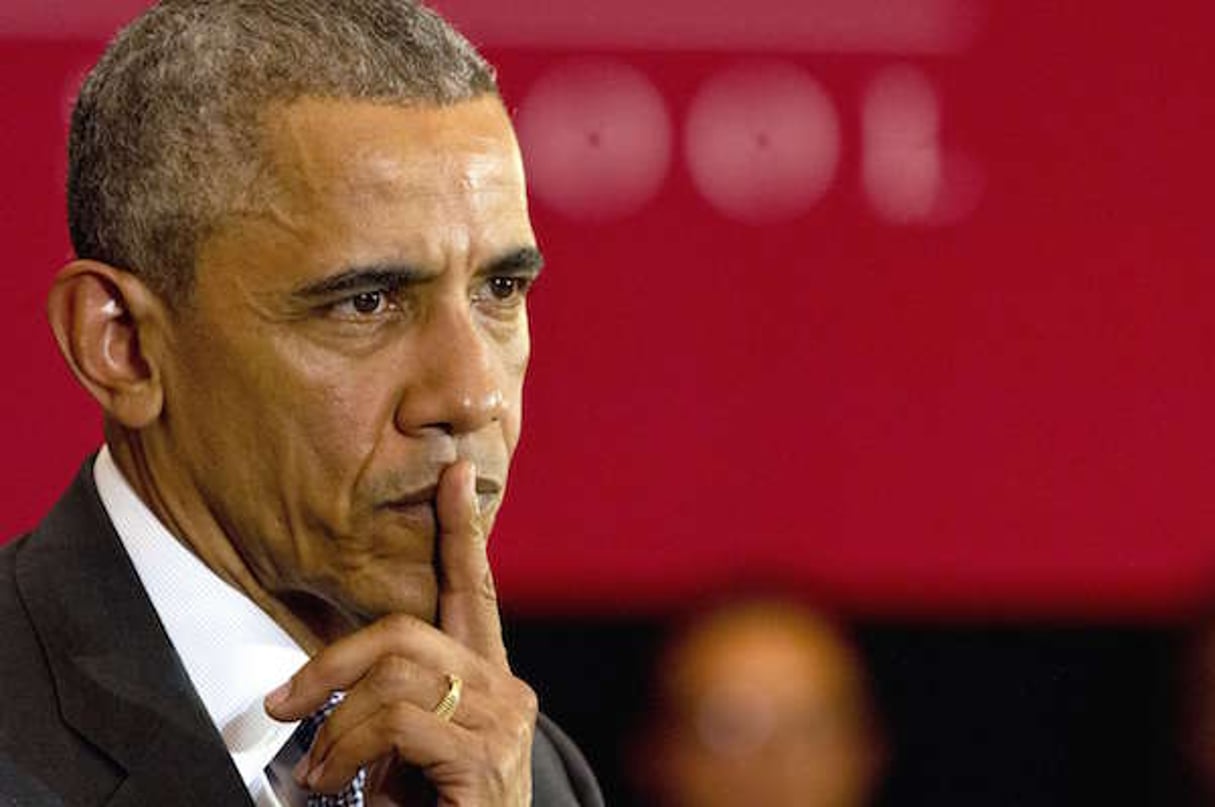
{"x":524,"y":260}
{"x":389,"y":276}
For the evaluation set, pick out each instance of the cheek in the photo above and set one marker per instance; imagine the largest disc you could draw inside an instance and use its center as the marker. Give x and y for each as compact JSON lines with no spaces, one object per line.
{"x":341,"y":415}
{"x":290,"y":416}
{"x":516,"y":361}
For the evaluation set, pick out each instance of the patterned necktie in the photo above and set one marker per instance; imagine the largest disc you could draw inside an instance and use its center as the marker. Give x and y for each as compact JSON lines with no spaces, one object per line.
{"x":278,"y":771}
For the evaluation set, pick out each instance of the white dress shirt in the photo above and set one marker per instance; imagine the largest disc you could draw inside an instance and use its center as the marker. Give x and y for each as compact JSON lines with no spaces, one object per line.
{"x":231,"y":649}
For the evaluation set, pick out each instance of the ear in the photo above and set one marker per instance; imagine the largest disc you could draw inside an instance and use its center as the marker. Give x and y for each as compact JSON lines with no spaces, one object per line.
{"x":104,"y":319}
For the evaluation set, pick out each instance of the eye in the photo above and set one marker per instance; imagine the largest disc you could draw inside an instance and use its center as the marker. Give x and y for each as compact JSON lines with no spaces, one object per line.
{"x":504,"y":288}
{"x":367,"y":302}
{"x":363,"y":304}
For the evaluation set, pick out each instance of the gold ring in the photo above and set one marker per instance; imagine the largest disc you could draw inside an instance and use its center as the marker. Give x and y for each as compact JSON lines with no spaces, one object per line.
{"x":451,"y":701}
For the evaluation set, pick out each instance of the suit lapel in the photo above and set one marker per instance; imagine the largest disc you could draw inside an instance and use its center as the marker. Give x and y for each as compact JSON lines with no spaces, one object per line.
{"x":119,"y":682}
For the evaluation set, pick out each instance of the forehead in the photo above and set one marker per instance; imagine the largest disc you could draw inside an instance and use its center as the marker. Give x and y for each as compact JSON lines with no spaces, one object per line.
{"x":351,"y":149}
{"x":348,"y":182}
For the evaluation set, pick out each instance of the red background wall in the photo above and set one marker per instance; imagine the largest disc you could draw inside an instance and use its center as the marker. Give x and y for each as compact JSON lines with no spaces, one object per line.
{"x":962,"y":371}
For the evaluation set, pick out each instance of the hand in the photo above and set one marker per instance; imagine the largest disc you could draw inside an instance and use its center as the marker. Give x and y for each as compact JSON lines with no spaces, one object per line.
{"x":394,"y":672}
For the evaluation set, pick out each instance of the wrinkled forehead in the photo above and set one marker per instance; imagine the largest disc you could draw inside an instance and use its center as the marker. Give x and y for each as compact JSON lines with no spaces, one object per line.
{"x":321,"y":149}
{"x":346,"y":182}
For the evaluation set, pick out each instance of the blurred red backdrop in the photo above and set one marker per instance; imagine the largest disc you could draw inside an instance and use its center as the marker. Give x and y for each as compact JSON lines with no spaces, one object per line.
{"x":909,"y":308}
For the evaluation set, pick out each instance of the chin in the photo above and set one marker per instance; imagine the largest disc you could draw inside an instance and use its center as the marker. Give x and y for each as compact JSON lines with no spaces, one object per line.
{"x":414,"y":591}
{"x":334,"y":608}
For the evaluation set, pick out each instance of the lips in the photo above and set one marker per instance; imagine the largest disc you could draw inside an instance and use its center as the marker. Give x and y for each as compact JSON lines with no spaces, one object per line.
{"x":418,"y":515}
{"x":420,"y":503}
{"x":425,"y":495}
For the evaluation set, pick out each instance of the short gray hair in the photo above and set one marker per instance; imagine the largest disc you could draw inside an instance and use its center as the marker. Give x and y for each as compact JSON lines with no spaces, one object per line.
{"x":166,"y":133}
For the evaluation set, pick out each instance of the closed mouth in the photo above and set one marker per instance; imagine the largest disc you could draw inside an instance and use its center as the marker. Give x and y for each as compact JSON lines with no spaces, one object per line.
{"x":489,"y":491}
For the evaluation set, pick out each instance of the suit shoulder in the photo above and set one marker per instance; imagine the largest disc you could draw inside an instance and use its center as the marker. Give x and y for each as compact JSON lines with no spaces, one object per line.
{"x":30,"y":708}
{"x":561,"y":776}
{"x":25,"y":677}
{"x":14,"y":619}
{"x":34,"y":740}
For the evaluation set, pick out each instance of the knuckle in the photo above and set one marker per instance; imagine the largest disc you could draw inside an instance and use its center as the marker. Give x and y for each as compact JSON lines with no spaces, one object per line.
{"x":389,"y":674}
{"x":514,"y":722}
{"x":398,"y":623}
{"x":523,"y":729}
{"x":531,"y":701}
{"x":487,"y":590}
{"x":524,"y":698}
{"x":513,"y":695}
{"x":397,"y":719}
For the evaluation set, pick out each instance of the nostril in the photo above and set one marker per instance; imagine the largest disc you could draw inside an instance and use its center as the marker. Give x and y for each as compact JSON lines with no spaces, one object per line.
{"x":463,"y":411}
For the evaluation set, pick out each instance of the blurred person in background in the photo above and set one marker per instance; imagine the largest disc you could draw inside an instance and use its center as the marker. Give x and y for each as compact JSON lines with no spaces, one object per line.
{"x":760,"y":702}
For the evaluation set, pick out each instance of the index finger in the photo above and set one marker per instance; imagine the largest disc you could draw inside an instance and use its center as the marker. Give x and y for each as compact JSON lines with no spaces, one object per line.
{"x":468,"y":602}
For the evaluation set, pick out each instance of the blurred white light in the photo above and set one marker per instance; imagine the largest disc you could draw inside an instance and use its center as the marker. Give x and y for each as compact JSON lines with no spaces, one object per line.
{"x":901,"y":163}
{"x":762,"y":142}
{"x":907,"y":174}
{"x":596,"y":138}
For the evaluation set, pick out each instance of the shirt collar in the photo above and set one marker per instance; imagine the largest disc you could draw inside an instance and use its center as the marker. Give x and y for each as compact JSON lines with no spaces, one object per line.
{"x":233,"y":651}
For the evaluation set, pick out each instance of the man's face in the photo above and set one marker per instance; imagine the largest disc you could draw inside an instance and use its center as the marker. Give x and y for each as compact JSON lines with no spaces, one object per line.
{"x":352,"y":338}
{"x":767,"y":710}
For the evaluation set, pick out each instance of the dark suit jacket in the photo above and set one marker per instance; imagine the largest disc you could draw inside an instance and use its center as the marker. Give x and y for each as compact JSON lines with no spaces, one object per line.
{"x":95,"y":706}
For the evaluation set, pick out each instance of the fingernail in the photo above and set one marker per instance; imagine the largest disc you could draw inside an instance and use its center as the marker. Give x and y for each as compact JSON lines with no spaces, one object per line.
{"x":471,"y":484}
{"x":278,"y":696}
{"x":315,"y":776}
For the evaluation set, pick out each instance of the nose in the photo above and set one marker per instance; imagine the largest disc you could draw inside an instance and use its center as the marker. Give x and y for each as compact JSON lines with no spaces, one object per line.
{"x":455,"y":384}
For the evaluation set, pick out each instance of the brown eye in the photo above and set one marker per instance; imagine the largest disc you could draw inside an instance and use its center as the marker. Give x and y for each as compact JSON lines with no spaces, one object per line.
{"x":368,"y":302}
{"x":503,"y":288}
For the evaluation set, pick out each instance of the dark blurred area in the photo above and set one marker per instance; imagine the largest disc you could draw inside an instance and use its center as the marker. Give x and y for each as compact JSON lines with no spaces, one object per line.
{"x":995,"y":715}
